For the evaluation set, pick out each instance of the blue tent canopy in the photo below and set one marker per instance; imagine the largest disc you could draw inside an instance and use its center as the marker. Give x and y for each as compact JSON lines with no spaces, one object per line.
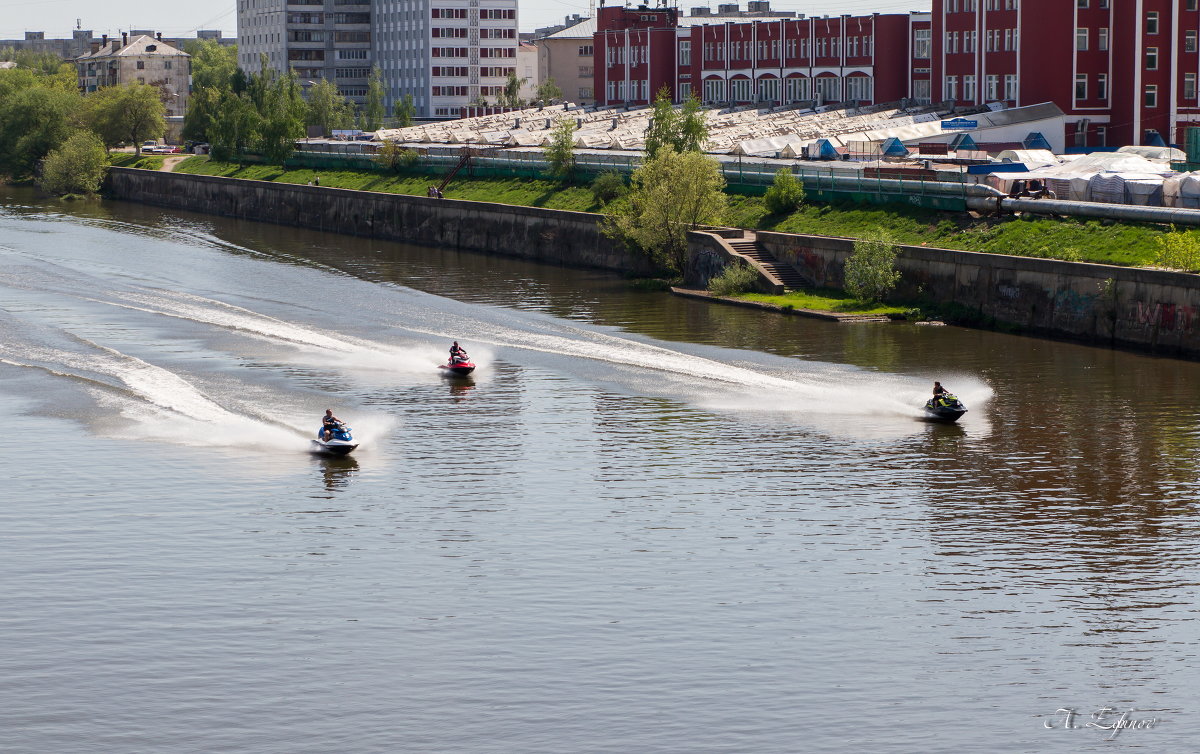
{"x":1153,"y":139}
{"x":824,"y":150}
{"x":894,"y":148}
{"x":963,"y":142}
{"x":1035,"y":140}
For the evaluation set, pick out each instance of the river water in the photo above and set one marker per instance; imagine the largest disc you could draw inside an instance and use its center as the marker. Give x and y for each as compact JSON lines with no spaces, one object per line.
{"x":648,"y":524}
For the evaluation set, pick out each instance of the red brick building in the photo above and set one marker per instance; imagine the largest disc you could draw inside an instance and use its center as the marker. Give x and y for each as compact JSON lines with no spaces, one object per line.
{"x":1125,"y":71}
{"x":768,"y":61}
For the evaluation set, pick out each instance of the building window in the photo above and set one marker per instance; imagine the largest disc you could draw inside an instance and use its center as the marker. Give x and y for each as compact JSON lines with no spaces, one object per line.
{"x":141,"y":64}
{"x":1010,"y":87}
{"x":1189,"y":86}
{"x":1189,"y":41}
{"x":1191,"y":4}
{"x":714,"y":90}
{"x":1102,"y":86}
{"x":1151,"y":95}
{"x":921,"y":43}
{"x":993,"y":87}
{"x":1081,"y":86}
{"x":1152,"y":22}
{"x":1082,"y":4}
{"x":1151,"y":58}
{"x":969,"y":92}
{"x":951,"y":86}
{"x":585,"y":50}
{"x":685,"y":52}
{"x":859,"y":88}
{"x":1102,"y":39}
{"x":1081,"y":39}
{"x":685,"y":91}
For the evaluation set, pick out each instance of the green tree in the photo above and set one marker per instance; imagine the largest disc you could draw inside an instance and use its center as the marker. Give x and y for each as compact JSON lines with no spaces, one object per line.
{"x":665,"y":126}
{"x":693,"y":126}
{"x":560,"y":153}
{"x":683,"y":130}
{"x":77,"y":167}
{"x":327,"y":108}
{"x":607,"y":186}
{"x":870,"y":272}
{"x":671,"y":194}
{"x":735,"y":278}
{"x":786,"y":193}
{"x":405,"y":112}
{"x":202,"y":108}
{"x":510,"y":94}
{"x":127,"y":113}
{"x":374,"y":112}
{"x":42,"y":63}
{"x":281,"y":119}
{"x":548,"y":91}
{"x":33,"y":121}
{"x":234,"y":127}
{"x":213,"y":64}
{"x":1179,"y":250}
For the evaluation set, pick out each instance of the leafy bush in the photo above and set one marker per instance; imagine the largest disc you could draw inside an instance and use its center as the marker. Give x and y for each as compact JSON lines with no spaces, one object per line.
{"x":1179,"y":250}
{"x":734,"y":279}
{"x":786,"y":193}
{"x":871,"y":270}
{"x":77,"y":167}
{"x":607,"y":186}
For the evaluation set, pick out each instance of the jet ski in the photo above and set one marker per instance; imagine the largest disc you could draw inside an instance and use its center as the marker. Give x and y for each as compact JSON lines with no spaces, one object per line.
{"x":340,"y":442}
{"x":458,"y":366}
{"x":944,"y":408}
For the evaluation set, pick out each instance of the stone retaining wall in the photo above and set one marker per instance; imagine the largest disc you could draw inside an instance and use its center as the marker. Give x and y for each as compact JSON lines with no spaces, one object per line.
{"x":549,"y":236}
{"x":1100,"y":304}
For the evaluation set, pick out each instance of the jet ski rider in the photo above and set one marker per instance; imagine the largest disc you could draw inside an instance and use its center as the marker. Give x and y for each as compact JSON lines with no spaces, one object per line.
{"x":939,"y":392}
{"x":329,"y":422}
{"x":456,"y":351}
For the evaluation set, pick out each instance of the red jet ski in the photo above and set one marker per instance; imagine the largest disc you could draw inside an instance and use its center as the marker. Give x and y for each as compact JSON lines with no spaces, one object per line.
{"x":459,"y":366}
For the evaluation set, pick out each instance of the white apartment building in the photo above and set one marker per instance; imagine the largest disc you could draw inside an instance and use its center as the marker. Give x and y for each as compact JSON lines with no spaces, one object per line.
{"x":445,"y":53}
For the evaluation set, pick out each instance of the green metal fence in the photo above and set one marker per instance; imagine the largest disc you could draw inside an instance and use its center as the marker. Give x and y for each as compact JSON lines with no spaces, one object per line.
{"x":741,"y":177}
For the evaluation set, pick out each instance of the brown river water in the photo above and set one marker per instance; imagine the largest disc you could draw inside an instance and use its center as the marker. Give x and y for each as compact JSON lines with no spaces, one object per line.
{"x":647,"y":524}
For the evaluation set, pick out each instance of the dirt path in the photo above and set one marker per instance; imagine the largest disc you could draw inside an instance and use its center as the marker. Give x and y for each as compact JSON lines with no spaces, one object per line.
{"x":169,"y":163}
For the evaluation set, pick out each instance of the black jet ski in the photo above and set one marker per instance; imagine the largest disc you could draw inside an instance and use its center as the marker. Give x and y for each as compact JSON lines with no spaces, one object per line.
{"x":944,"y":408}
{"x":340,"y":442}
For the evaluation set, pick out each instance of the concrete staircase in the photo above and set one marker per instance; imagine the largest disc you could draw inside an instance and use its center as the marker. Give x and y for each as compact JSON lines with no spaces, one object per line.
{"x":748,"y":246}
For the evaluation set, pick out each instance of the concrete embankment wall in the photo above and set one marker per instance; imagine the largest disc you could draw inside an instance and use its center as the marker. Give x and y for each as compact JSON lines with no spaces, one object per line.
{"x":550,"y":236}
{"x":1100,"y":304}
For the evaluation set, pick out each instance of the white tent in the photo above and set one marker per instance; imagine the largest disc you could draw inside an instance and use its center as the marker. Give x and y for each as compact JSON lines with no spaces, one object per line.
{"x":1162,"y":154}
{"x":1143,"y":190}
{"x":1182,"y":190}
{"x":1030,"y":158}
{"x":766,"y":146}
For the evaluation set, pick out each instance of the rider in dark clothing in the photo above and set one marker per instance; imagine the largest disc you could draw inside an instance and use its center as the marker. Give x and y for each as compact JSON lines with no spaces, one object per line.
{"x":456,"y":350}
{"x":329,"y":422}
{"x":938,"y":390}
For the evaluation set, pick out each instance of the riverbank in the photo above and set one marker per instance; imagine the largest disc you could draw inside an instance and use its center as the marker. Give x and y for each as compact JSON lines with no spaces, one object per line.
{"x":812,"y":306}
{"x":1124,"y":244}
{"x":1154,"y":310}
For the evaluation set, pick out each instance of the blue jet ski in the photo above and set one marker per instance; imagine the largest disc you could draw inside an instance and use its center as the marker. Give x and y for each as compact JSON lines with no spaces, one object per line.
{"x":340,"y":441}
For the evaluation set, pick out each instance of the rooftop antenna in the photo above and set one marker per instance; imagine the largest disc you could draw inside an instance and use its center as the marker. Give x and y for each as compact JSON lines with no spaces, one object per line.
{"x":78,"y":24}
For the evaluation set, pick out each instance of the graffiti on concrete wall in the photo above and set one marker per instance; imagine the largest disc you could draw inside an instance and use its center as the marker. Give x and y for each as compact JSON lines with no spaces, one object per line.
{"x":1163,"y":316}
